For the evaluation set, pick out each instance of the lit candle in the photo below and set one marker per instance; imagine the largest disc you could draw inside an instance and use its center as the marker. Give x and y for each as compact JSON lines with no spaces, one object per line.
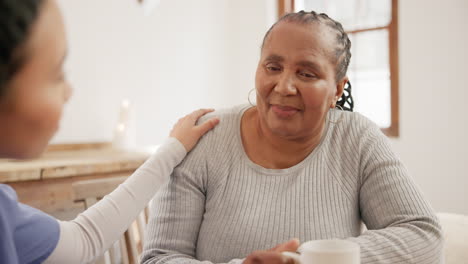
{"x":124,"y":112}
{"x":124,"y":134}
{"x":120,"y":137}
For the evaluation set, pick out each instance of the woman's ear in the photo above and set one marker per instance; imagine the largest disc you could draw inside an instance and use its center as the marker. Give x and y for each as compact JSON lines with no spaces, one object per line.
{"x":340,"y":87}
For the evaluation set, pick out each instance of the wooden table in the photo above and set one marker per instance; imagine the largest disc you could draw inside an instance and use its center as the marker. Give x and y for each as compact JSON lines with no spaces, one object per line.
{"x":45,"y":183}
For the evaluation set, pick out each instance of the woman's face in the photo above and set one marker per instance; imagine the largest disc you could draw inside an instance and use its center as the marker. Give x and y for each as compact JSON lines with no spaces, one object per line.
{"x":295,"y":79}
{"x":30,"y":111}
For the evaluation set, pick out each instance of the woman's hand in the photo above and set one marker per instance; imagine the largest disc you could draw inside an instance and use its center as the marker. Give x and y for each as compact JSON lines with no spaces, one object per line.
{"x":188,"y":133}
{"x":274,"y":256}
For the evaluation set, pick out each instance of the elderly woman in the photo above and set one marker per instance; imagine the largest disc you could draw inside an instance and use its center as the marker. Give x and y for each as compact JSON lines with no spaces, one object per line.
{"x":293,"y":166}
{"x":33,"y":91}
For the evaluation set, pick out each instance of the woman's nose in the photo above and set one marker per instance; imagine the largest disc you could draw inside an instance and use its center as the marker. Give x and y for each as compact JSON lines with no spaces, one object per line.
{"x":286,"y":85}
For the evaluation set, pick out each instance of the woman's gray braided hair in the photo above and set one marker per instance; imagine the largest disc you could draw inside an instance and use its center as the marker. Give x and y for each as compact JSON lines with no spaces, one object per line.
{"x":342,"y":50}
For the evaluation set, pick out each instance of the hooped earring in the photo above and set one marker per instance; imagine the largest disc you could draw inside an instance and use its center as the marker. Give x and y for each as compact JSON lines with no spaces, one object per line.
{"x":341,"y":115}
{"x":334,"y":103}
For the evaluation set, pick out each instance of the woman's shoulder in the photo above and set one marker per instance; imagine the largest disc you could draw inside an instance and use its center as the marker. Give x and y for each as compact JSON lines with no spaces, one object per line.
{"x":33,"y":233}
{"x":15,"y":210}
{"x":224,"y":135}
{"x":228,"y":115}
{"x":8,"y":252}
{"x":8,"y":197}
{"x":9,"y":208}
{"x":357,"y":125}
{"x":352,"y":131}
{"x":229,"y":124}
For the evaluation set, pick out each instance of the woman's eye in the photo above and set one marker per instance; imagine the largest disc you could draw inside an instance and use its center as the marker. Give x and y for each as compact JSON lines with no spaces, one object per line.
{"x":306,"y":75}
{"x":273,"y":68}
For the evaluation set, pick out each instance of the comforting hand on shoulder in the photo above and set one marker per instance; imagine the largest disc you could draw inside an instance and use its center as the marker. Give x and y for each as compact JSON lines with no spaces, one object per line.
{"x":186,"y":130}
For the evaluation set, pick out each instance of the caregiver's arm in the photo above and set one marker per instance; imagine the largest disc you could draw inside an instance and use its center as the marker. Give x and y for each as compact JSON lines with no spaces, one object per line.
{"x":172,"y":231}
{"x":96,"y":229}
{"x":402,"y":226}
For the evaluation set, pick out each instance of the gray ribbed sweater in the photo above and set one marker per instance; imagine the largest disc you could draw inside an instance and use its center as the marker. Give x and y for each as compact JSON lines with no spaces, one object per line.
{"x":219,"y":206}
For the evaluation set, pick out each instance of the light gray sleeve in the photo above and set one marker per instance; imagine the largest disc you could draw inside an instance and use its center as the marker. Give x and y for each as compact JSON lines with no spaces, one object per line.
{"x":177,"y":213}
{"x":402,"y":227}
{"x":95,"y":230}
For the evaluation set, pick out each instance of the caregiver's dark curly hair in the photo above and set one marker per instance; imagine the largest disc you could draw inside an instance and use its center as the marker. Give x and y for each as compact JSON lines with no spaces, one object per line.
{"x":16,"y":20}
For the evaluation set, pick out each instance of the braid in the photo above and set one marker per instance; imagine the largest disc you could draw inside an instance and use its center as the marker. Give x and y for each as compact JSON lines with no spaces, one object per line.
{"x":342,"y":52}
{"x":16,"y":18}
{"x":346,"y":102}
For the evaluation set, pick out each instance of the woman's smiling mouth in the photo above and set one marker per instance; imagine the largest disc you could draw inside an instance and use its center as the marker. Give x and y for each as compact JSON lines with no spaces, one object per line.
{"x":283,"y":111}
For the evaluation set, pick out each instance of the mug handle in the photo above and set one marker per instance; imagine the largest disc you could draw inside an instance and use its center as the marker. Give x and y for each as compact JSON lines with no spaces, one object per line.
{"x":293,"y":256}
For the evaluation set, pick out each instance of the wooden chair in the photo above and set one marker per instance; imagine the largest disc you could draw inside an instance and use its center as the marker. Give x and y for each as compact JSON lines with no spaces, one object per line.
{"x":128,"y":249}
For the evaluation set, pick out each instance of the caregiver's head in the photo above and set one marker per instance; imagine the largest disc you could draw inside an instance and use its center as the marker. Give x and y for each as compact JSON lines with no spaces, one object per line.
{"x":301,"y":73}
{"x":33,"y":89}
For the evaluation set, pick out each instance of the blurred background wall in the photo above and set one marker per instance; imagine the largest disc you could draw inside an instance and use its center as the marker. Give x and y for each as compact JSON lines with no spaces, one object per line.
{"x":190,"y":54}
{"x":433,"y":139}
{"x":185,"y":55}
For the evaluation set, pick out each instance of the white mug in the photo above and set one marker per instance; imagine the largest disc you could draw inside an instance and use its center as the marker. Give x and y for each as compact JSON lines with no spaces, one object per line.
{"x":327,"y":252}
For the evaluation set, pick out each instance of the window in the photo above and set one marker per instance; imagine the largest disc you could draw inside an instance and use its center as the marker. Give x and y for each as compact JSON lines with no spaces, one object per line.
{"x":372,"y":26}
